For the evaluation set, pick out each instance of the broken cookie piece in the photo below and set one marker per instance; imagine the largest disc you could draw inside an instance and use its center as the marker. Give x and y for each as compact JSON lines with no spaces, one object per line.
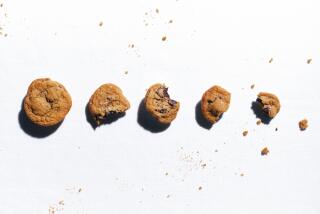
{"x":303,"y":124}
{"x":264,"y":151}
{"x":47,"y":102}
{"x":270,"y":103}
{"x":215,"y":101}
{"x":107,"y":100}
{"x":160,"y":105}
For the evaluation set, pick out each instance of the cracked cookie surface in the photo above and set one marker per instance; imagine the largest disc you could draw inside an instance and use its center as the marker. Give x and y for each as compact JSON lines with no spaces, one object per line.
{"x":108,"y":99}
{"x":215,"y":101}
{"x":270,"y":103}
{"x":47,"y":102}
{"x":159,"y":104}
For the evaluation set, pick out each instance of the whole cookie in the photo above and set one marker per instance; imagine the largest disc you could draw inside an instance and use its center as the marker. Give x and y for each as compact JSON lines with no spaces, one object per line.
{"x":107,"y":100}
{"x":159,"y":104}
{"x":269,"y":103}
{"x":47,"y":102}
{"x":215,"y":101}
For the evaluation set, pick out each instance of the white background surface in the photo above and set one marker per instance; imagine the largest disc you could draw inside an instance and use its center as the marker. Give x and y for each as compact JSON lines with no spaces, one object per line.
{"x":121,"y":168}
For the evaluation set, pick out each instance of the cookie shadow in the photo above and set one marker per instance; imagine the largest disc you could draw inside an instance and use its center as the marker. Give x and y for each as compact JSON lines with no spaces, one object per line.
{"x":148,"y":122}
{"x":260,"y":114}
{"x":33,"y":129}
{"x":108,"y":120}
{"x":201,"y":120}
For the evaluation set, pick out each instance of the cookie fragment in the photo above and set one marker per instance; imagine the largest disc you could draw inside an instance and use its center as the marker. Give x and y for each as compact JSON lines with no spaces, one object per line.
{"x":245,"y":133}
{"x":264,"y":151}
{"x":258,"y":122}
{"x":160,"y":105}
{"x":303,"y":124}
{"x":47,"y":102}
{"x":215,"y":101}
{"x":107,"y":100}
{"x":270,"y":103}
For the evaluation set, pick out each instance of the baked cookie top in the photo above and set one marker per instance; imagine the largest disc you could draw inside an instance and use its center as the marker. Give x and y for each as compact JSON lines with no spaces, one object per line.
{"x":107,"y":99}
{"x":159,"y":104}
{"x":215,"y":101}
{"x":47,"y":102}
{"x":270,"y":103}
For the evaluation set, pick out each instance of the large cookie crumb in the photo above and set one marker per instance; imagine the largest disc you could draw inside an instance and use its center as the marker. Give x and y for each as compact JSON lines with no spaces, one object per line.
{"x":270,"y":103}
{"x":245,"y":133}
{"x":303,"y":124}
{"x":264,"y":151}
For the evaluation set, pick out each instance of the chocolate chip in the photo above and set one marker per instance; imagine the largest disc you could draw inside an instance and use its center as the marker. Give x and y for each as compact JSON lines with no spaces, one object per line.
{"x":214,"y":113}
{"x":162,"y":111}
{"x":163,"y":92}
{"x":172,"y":102}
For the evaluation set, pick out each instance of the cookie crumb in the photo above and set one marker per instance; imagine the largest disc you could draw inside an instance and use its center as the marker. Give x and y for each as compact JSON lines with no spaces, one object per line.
{"x":270,"y":60}
{"x":258,"y":122}
{"x":216,"y":150}
{"x":167,"y":174}
{"x":200,"y":188}
{"x":170,"y":21}
{"x":126,"y":72}
{"x":303,"y":124}
{"x":309,"y":61}
{"x":242,"y":174}
{"x":52,"y":210}
{"x":203,"y":165}
{"x":1,"y":5}
{"x":80,"y":189}
{"x":245,"y":133}
{"x":276,"y":129}
{"x":131,"y":46}
{"x":100,"y":24}
{"x":264,"y":151}
{"x":157,"y":10}
{"x":164,"y":38}
{"x":168,"y":196}
{"x":61,"y":202}
{"x":252,"y":86}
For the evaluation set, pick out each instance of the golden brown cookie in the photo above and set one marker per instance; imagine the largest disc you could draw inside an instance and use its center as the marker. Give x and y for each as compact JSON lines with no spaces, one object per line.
{"x":107,"y":100}
{"x":270,"y":103}
{"x":159,"y":104}
{"x":215,"y":101}
{"x":47,"y":102}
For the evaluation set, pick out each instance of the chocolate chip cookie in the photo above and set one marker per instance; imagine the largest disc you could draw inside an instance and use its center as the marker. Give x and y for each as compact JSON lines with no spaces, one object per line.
{"x":107,"y":100}
{"x":269,"y":103}
{"x":215,"y":101}
{"x":47,"y":102}
{"x":159,"y":104}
